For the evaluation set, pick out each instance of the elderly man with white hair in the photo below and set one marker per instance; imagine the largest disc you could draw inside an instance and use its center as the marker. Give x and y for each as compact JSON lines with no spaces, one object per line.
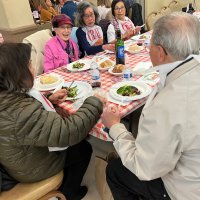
{"x":163,"y":161}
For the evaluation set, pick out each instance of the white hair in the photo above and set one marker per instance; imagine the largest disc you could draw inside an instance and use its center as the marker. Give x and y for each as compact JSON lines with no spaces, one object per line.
{"x":178,"y":33}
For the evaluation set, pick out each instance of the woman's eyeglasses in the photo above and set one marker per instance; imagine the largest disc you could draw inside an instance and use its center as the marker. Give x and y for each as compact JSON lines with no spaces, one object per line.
{"x":89,"y":16}
{"x":119,"y":8}
{"x":66,"y":27}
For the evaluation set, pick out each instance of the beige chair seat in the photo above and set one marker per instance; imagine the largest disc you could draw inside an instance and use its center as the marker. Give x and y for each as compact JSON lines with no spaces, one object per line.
{"x":42,"y":190}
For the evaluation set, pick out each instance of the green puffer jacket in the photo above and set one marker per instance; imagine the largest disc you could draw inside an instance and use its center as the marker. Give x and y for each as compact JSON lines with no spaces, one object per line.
{"x":27,"y":130}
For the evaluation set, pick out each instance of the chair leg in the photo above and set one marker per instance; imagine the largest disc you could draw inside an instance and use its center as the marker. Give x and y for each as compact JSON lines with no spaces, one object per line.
{"x":54,"y":193}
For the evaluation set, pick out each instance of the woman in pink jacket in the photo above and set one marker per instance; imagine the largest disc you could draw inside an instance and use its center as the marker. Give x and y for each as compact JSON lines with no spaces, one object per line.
{"x":60,"y":49}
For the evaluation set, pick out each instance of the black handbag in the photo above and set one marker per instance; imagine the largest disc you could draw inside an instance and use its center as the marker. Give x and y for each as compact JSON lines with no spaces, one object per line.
{"x":6,"y":181}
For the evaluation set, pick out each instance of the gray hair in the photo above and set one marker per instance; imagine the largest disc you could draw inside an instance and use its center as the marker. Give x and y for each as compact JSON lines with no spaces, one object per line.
{"x":80,"y":13}
{"x":178,"y":33}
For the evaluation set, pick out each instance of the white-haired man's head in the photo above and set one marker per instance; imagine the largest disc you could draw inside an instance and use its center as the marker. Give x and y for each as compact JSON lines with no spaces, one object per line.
{"x":175,"y":37}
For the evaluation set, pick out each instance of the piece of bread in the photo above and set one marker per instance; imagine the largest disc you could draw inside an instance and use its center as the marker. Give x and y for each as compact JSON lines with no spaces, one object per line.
{"x":118,"y":68}
{"x":106,"y":64}
{"x":48,"y":79}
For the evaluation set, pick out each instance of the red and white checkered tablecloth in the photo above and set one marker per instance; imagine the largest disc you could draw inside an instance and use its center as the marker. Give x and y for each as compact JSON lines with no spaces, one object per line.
{"x":107,"y":80}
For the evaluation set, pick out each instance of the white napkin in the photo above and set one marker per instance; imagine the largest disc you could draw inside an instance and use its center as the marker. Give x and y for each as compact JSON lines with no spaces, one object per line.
{"x":141,"y":67}
{"x":49,"y":107}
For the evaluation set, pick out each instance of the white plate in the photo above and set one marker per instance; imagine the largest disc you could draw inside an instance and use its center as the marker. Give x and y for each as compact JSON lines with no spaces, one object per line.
{"x":45,"y":87}
{"x":143,"y":87}
{"x":140,"y":48}
{"x":105,"y":68}
{"x":139,"y":37}
{"x":116,"y":74}
{"x":84,"y":89}
{"x":87,"y":63}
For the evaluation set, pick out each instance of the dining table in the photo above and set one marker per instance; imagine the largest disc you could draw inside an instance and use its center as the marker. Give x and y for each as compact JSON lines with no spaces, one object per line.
{"x":107,"y":81}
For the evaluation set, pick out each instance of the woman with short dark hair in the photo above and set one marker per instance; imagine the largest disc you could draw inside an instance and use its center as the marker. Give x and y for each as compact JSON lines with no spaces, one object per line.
{"x":27,"y":129}
{"x":89,"y":34}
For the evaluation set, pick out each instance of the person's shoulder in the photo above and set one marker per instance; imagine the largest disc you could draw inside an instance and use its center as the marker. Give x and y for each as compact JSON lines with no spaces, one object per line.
{"x":80,"y":30}
{"x":51,"y":41}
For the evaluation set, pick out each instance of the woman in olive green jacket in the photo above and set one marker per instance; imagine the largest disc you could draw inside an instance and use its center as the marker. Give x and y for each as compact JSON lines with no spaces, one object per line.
{"x":27,"y":129}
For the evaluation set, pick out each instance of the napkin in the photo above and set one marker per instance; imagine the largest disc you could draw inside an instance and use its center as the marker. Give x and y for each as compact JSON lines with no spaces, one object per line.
{"x":141,"y":67}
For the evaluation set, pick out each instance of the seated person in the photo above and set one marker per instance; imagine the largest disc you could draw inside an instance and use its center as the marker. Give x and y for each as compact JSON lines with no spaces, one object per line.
{"x":47,"y":12}
{"x":103,"y":6}
{"x":60,"y":49}
{"x":89,"y":35}
{"x":28,"y":128}
{"x":163,"y":161}
{"x":120,"y":21}
{"x":69,"y":8}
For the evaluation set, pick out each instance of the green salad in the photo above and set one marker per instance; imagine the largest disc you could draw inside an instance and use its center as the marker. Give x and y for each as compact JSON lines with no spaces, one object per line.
{"x":78,"y":65}
{"x":128,"y":90}
{"x":72,"y":91}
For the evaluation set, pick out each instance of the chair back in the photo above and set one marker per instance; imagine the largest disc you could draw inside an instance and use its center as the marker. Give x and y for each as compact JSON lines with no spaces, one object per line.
{"x":73,"y":35}
{"x":151,"y":19}
{"x":175,"y":6}
{"x":38,"y":41}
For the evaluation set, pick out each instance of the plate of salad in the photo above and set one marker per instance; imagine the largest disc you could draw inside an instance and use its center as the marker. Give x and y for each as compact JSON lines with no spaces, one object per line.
{"x":77,"y":89}
{"x":79,"y":65}
{"x":130,"y":90}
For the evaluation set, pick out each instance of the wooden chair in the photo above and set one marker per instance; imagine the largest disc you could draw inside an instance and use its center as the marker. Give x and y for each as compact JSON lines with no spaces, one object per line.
{"x":165,"y":10}
{"x":175,"y":6}
{"x":42,"y":190}
{"x":151,"y":19}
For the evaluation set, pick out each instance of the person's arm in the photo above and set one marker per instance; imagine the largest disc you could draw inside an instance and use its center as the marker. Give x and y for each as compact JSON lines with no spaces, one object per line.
{"x":157,"y":148}
{"x":111,"y":34}
{"x":48,"y":59}
{"x":38,"y":127}
{"x":84,"y":44}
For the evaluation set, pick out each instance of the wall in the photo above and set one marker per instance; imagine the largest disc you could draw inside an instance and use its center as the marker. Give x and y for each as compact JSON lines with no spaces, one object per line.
{"x":15,"y":14}
{"x":156,"y":5}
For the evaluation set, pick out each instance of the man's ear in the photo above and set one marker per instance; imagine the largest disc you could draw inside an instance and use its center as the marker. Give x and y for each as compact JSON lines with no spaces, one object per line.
{"x":161,"y":54}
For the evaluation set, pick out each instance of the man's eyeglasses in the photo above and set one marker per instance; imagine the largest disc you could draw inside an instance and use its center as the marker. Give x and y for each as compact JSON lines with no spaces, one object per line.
{"x":119,"y":8}
{"x":89,"y":16}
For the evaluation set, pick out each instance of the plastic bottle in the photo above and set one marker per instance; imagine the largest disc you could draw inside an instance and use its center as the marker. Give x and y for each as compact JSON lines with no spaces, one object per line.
{"x":119,"y":48}
{"x":127,"y":74}
{"x":96,"y":79}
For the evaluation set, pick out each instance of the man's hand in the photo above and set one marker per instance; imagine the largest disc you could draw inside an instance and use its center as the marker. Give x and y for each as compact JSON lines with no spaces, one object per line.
{"x":111,"y":116}
{"x":58,"y":97}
